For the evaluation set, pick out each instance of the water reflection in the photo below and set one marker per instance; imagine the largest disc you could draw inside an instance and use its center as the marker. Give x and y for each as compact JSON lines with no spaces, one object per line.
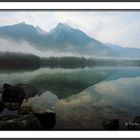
{"x":105,"y":100}
{"x":62,"y":82}
{"x":66,"y":82}
{"x":86,"y":96}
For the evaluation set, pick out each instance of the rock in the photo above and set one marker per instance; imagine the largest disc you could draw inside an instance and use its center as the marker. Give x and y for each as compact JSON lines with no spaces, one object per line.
{"x":46,"y":117}
{"x":135,"y":125}
{"x":12,"y":94}
{"x":30,"y":116}
{"x":12,"y":97}
{"x":1,"y":106}
{"x":111,"y":124}
{"x":46,"y":100}
{"x":19,"y":122}
{"x":12,"y":106}
{"x":47,"y":120}
{"x":24,"y":110}
{"x":137,"y":119}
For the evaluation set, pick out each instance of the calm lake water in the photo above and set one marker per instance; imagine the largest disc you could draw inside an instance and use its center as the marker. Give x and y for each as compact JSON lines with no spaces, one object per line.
{"x":83,"y":98}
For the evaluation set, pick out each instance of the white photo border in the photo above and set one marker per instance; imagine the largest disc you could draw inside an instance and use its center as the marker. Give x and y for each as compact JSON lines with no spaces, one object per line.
{"x":68,"y":6}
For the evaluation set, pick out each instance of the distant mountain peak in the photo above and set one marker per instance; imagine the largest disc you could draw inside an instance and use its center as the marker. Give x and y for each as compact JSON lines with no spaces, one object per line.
{"x":21,"y":23}
{"x":64,"y":38}
{"x":63,"y":26}
{"x":41,"y":31}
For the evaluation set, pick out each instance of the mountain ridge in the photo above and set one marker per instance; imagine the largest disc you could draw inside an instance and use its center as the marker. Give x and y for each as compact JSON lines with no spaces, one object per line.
{"x":63,"y":38}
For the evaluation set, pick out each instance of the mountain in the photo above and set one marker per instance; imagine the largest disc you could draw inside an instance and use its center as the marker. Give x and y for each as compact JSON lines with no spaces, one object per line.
{"x":40,"y":31}
{"x":21,"y":31}
{"x":63,"y":38}
{"x":125,"y":52}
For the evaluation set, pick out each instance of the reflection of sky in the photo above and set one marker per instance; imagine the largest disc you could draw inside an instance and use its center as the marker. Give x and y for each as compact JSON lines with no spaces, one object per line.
{"x":115,"y":27}
{"x":105,"y":100}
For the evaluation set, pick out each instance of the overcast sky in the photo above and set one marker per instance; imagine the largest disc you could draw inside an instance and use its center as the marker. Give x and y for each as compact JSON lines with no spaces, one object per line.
{"x":122,"y":28}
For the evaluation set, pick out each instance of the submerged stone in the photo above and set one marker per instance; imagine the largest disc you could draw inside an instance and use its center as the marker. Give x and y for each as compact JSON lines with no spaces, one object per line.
{"x":19,"y":122}
{"x":46,"y":118}
{"x":111,"y":124}
{"x":12,"y":94}
{"x":1,"y":106}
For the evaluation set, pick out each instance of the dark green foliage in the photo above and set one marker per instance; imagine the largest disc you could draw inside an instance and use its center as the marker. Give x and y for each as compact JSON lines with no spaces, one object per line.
{"x":19,"y":61}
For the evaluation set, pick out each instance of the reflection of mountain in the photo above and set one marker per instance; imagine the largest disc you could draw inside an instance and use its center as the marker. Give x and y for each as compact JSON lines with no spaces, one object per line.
{"x":125,"y":52}
{"x":65,"y":83}
{"x":63,"y":38}
{"x":124,"y":73}
{"x":103,"y":101}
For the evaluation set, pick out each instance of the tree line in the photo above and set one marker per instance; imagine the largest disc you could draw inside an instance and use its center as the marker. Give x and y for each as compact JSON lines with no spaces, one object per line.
{"x":30,"y":61}
{"x":19,"y":61}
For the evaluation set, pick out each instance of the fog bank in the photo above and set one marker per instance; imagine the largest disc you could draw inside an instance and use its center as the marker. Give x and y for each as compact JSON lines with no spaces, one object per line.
{"x":8,"y":45}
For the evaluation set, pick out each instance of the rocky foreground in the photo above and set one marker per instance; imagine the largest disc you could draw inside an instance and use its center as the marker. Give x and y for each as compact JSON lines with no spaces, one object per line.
{"x":28,"y":119}
{"x":33,"y":114}
{"x":39,"y":113}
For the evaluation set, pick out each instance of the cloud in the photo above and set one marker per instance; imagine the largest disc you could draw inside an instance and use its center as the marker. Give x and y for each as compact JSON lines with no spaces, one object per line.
{"x":8,"y":45}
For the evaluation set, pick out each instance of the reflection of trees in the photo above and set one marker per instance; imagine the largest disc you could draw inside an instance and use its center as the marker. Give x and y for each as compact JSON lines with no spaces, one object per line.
{"x":81,"y":62}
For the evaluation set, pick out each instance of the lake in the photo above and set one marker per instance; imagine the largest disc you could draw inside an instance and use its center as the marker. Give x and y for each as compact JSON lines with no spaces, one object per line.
{"x":84,"y":97}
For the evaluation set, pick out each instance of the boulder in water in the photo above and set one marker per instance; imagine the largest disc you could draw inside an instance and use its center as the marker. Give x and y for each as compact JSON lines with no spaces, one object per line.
{"x":12,"y":94}
{"x":19,"y":122}
{"x":46,"y":100}
{"x":137,"y":119}
{"x":1,"y":106}
{"x":46,"y":118}
{"x":111,"y":124}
